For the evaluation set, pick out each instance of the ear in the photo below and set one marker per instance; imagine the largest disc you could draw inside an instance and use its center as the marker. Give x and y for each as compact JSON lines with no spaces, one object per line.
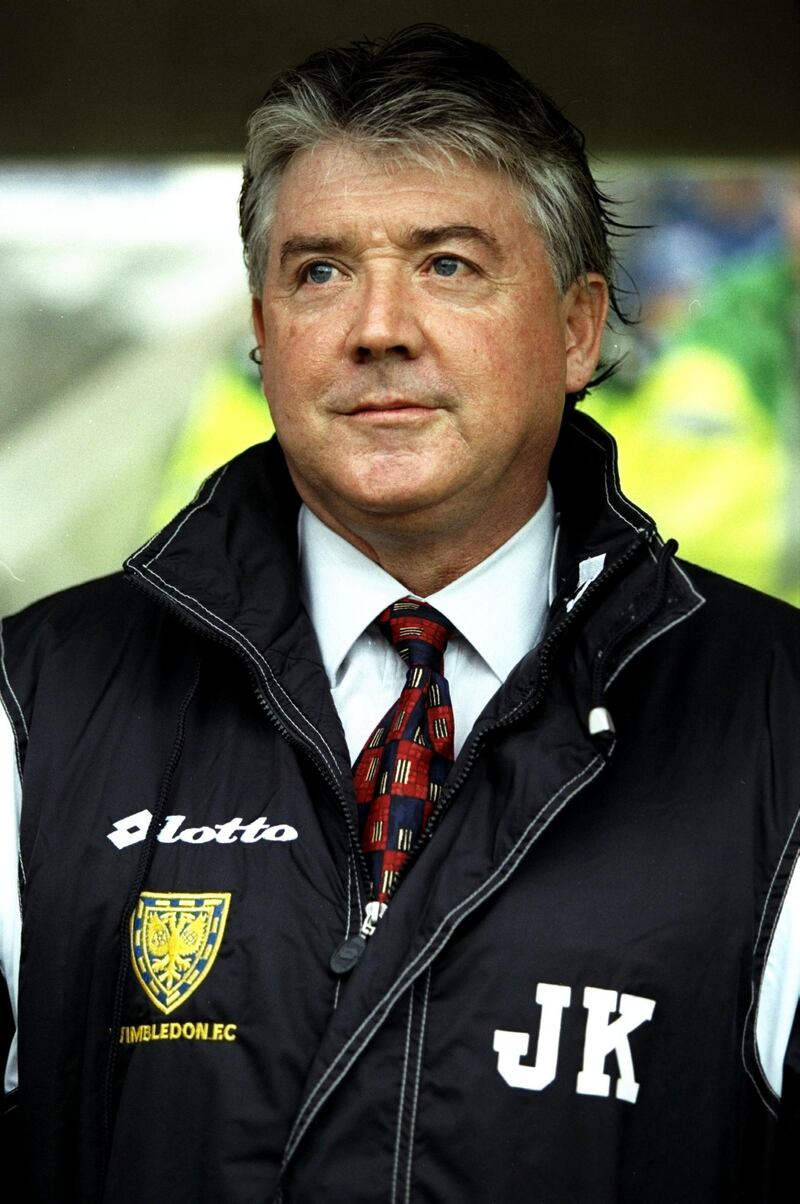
{"x":257,"y":311}
{"x":585,"y":306}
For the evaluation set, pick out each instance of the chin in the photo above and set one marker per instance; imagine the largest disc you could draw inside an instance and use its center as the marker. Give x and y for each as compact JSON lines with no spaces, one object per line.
{"x":394,"y":492}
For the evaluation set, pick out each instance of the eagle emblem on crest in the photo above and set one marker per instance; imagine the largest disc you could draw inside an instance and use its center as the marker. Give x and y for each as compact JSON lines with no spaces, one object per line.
{"x":175,"y":940}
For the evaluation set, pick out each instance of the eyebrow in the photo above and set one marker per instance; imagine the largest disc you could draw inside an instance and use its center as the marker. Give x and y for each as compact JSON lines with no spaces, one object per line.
{"x":418,"y":236}
{"x":315,"y":244}
{"x":429,"y":236}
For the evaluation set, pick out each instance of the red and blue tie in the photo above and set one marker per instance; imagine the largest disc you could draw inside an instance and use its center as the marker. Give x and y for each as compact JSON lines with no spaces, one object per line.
{"x":402,"y":768}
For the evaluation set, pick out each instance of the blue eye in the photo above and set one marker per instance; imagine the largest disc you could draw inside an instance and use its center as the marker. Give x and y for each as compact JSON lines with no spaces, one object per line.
{"x":446,"y":265}
{"x":320,"y":273}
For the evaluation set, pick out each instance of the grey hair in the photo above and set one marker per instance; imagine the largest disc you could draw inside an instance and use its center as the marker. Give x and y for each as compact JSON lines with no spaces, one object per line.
{"x":429,"y":95}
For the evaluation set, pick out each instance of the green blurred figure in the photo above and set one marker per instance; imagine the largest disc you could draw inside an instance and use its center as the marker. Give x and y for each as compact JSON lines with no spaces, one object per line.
{"x":709,"y":437}
{"x":227,"y":415}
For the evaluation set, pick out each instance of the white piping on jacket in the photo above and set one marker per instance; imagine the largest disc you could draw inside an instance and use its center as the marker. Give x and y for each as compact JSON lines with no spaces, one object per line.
{"x":10,"y":913}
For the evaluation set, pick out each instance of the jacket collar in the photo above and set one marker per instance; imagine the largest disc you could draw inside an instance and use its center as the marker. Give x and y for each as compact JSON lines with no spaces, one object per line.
{"x":597,"y":519}
{"x":228,"y":562}
{"x":234,"y":547}
{"x":231,"y":554}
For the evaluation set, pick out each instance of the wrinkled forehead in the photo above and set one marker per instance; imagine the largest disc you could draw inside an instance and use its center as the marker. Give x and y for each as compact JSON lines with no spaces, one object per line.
{"x":360,"y":175}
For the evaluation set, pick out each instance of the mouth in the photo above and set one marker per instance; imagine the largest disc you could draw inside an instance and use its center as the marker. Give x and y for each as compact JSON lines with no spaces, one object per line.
{"x":397,"y":413}
{"x":389,"y":405}
{"x":391,"y":410}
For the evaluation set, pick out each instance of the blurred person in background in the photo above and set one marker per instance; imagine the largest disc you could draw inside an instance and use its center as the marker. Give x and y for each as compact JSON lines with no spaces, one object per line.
{"x":406,"y":822}
{"x":709,"y":428}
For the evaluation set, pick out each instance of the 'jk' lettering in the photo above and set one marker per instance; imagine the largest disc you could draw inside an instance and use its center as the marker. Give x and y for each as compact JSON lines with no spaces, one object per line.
{"x":602,"y":1037}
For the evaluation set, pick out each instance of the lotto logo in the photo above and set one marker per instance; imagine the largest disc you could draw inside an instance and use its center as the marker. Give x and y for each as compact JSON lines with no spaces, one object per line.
{"x":133,"y":829}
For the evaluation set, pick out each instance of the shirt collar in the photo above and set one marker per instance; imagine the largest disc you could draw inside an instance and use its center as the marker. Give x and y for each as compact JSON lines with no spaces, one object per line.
{"x":343,"y":591}
{"x":512,"y":587}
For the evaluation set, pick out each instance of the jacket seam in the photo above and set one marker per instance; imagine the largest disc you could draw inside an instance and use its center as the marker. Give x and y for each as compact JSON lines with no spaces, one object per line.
{"x":247,"y":646}
{"x":413,"y":1123}
{"x":767,"y":950}
{"x":16,"y":700}
{"x":495,"y":880}
{"x":18,"y":758}
{"x":754,"y":1003}
{"x":190,"y":514}
{"x":354,"y":867}
{"x":22,"y":877}
{"x":618,"y":496}
{"x":255,"y":652}
{"x":638,"y":647}
{"x":402,"y":1099}
{"x":654,"y":635}
{"x":13,"y":730}
{"x":338,"y":990}
{"x":677,"y":565}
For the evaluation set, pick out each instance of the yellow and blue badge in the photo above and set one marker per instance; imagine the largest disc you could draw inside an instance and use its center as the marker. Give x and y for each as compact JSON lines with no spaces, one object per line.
{"x":175,"y":940}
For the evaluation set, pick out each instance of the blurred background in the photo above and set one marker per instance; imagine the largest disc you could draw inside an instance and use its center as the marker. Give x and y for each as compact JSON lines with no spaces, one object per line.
{"x":124,"y":316}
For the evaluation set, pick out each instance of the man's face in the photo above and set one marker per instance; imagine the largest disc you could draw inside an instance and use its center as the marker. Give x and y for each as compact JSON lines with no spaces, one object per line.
{"x":416,"y":351}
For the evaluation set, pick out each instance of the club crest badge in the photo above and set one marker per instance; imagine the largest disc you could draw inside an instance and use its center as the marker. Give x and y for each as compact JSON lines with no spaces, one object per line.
{"x":175,"y":940}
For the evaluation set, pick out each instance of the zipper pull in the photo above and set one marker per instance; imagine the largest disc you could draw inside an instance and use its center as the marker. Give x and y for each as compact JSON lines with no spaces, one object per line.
{"x":346,"y":955}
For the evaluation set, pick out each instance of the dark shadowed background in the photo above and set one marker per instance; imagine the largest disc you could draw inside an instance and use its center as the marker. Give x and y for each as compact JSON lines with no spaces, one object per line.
{"x":165,"y":77}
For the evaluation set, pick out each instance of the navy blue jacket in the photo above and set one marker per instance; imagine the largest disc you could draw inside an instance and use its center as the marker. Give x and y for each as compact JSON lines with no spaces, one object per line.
{"x":582,"y":989}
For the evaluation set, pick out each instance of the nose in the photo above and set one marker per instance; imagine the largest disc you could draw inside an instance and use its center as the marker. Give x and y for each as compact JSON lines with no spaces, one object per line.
{"x":385,"y":321}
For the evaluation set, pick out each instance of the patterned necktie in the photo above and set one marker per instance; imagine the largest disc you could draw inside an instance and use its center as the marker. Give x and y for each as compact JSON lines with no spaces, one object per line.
{"x":400,"y":772}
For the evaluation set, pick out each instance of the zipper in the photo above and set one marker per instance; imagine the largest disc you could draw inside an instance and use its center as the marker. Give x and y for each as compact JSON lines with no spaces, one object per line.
{"x":530,"y":704}
{"x":332,"y":782}
{"x":347,"y":954}
{"x":209,"y":632}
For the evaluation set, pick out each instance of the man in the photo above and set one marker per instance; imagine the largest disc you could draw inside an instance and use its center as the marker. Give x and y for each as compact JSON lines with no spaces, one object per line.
{"x":563,"y":967}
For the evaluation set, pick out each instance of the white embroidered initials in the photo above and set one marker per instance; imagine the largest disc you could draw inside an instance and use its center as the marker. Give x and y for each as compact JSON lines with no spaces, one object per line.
{"x":511,"y":1047}
{"x":602,"y":1036}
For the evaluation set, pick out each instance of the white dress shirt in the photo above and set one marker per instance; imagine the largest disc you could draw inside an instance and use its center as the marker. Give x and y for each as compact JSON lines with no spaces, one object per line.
{"x":498,"y":608}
